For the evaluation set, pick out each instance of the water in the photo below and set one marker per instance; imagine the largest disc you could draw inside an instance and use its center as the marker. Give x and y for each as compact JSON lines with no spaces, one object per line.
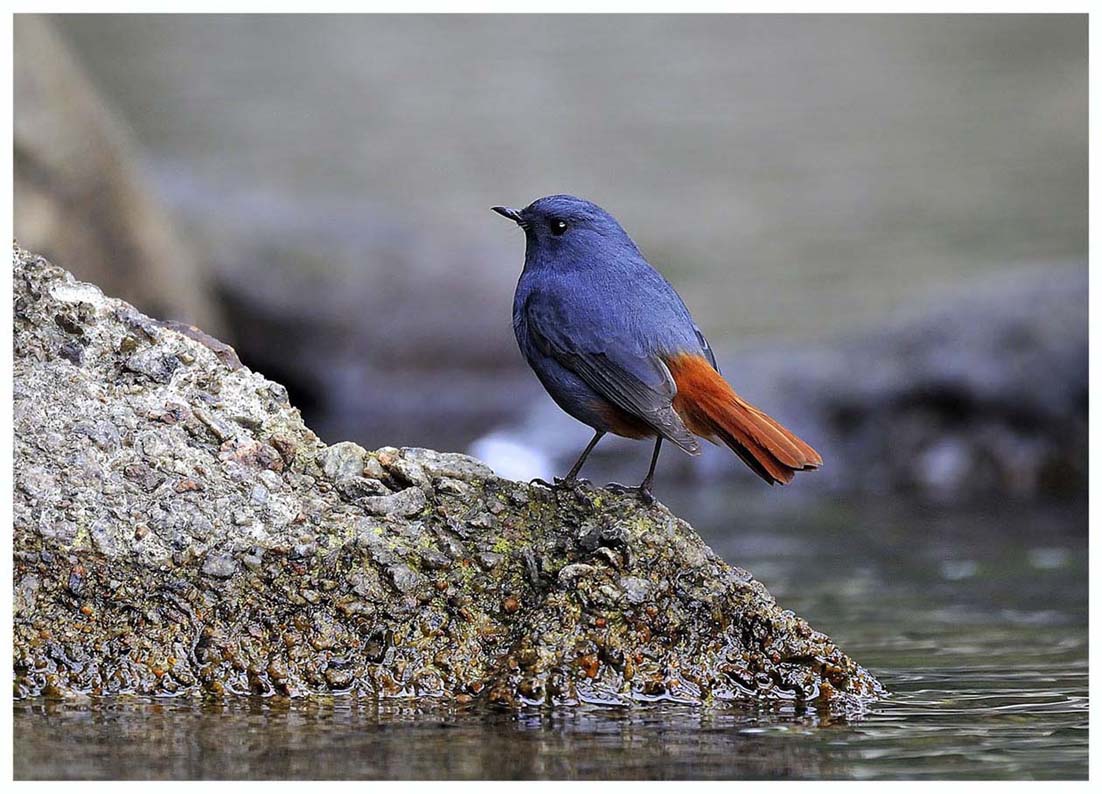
{"x":976,"y":620}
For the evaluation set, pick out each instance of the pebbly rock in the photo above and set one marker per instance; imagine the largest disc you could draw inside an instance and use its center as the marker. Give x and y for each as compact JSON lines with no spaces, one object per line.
{"x":179,"y":531}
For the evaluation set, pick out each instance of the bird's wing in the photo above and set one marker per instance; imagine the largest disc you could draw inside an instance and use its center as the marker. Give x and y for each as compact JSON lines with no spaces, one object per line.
{"x":618,"y":370}
{"x":708,"y":354}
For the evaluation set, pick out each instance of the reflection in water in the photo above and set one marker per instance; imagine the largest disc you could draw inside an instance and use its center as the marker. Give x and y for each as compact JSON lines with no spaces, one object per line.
{"x":975,"y":621}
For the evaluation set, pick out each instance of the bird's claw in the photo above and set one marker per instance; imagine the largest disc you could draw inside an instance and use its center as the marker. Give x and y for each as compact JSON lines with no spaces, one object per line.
{"x":643,"y":491}
{"x":562,"y":483}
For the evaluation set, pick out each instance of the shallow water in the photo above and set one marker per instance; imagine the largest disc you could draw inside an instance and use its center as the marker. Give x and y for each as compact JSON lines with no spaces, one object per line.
{"x":975,"y":620}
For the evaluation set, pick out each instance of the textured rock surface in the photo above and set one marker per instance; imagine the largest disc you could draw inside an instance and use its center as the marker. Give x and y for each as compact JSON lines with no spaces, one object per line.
{"x":178,"y":530}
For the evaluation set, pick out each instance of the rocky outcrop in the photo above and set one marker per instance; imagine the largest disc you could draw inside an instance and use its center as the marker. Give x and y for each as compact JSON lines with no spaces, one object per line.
{"x":178,"y":530}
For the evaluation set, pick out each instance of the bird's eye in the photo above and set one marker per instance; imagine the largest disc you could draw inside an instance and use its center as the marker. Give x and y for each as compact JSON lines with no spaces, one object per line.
{"x":558,"y":227}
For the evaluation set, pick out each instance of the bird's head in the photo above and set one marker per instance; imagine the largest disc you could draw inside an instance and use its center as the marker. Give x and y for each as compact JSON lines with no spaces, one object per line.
{"x":567,"y":229}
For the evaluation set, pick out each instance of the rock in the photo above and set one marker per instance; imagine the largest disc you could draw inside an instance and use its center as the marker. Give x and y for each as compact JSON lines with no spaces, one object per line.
{"x":407,"y":502}
{"x":25,"y":591}
{"x":448,"y":464}
{"x":410,"y":472}
{"x":360,"y":487}
{"x":983,"y":395}
{"x":343,"y":461}
{"x":154,"y":365}
{"x":263,"y":575}
{"x":345,"y":464}
{"x":219,"y":566}
{"x":635,"y":589}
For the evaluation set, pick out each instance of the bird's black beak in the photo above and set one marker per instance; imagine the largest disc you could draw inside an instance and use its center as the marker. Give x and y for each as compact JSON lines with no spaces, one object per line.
{"x":510,"y":213}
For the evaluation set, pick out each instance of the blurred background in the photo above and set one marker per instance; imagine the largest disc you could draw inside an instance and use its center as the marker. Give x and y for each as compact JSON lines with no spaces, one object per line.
{"x":880,"y":222}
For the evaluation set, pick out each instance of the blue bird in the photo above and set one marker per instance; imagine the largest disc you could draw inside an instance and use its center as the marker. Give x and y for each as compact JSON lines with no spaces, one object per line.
{"x":615,"y":347}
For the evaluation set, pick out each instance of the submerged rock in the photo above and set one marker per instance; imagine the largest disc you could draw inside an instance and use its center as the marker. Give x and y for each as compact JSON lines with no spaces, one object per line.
{"x":178,"y":530}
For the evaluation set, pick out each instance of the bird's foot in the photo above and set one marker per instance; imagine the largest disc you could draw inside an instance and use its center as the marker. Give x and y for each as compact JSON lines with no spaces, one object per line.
{"x":641,"y":491}
{"x":576,"y":485}
{"x":563,"y":484}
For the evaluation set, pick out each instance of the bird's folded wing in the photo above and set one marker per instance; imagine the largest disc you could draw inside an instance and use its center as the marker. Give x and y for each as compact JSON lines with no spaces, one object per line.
{"x":635,"y":382}
{"x":706,"y":348}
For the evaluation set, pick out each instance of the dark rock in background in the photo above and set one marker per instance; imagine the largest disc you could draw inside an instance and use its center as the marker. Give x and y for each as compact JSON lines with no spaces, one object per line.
{"x":986,"y":395}
{"x":178,"y":530}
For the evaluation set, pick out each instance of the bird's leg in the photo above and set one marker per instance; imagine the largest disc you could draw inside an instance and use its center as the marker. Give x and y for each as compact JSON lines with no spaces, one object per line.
{"x":573,"y":473}
{"x":643,"y":489}
{"x":648,"y":481}
{"x":571,"y":479}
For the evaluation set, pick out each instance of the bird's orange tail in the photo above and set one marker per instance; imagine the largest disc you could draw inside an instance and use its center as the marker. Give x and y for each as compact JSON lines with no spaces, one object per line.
{"x":711,"y":409}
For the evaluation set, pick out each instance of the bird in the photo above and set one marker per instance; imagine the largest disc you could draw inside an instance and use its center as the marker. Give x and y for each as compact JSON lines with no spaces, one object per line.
{"x":615,"y":347}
